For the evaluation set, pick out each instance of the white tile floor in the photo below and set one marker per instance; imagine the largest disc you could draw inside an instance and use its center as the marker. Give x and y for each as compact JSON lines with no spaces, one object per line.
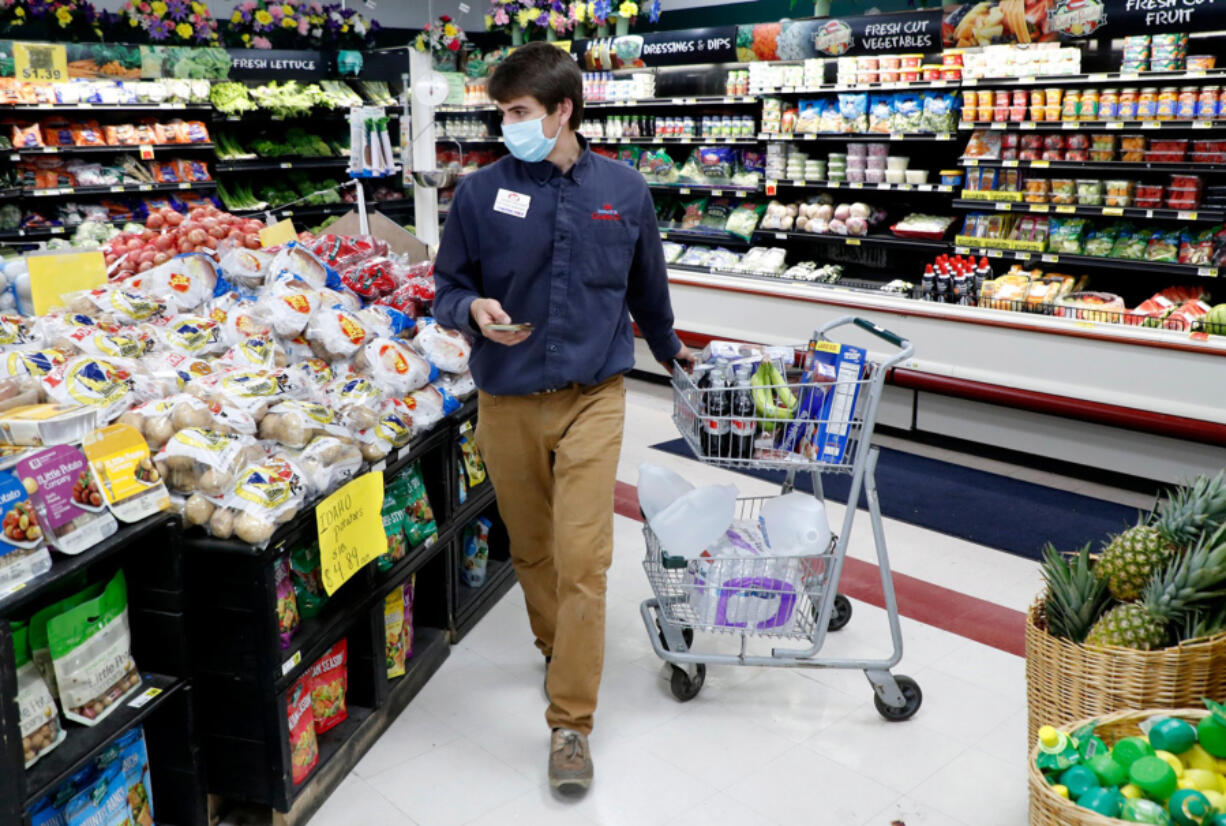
{"x":756,"y":747}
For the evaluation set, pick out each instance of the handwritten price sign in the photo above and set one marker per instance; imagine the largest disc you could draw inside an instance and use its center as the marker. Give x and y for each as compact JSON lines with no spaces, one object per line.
{"x":350,"y":528}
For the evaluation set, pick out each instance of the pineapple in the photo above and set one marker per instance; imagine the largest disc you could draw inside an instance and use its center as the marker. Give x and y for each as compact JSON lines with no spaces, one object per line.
{"x":1075,"y":596}
{"x":1168,"y":599}
{"x":1132,"y":557}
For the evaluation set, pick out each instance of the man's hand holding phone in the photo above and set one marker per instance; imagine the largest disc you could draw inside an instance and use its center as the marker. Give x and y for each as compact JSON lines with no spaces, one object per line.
{"x":496,"y":325}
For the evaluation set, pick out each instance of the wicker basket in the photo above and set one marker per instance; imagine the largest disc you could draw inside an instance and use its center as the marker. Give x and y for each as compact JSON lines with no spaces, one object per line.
{"x":1050,"y":809}
{"x":1066,"y":681}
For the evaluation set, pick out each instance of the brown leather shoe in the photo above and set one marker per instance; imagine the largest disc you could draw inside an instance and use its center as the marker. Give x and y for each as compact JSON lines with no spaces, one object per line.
{"x":570,"y":760}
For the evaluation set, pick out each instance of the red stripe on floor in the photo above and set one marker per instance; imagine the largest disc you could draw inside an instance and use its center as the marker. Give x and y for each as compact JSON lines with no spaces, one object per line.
{"x":970,"y":617}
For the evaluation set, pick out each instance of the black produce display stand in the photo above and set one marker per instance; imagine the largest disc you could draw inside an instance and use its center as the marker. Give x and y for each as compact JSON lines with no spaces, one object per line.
{"x":148,"y":554}
{"x":242,"y":674}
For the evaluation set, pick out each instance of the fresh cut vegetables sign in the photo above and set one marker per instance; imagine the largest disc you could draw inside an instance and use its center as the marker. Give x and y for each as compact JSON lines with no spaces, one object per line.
{"x":350,"y":528}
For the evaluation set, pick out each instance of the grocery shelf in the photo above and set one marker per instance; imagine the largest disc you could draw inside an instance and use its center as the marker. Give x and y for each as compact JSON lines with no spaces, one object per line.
{"x":711,"y":189}
{"x":687,"y":236}
{"x":826,"y":88}
{"x":337,"y":113}
{"x":64,"y":191}
{"x":669,"y":140}
{"x":25,"y":152}
{"x":455,"y":108}
{"x":807,"y":184}
{"x":1097,"y":77}
{"x":318,"y":210}
{"x":702,"y":100}
{"x":474,"y":603}
{"x":1076,"y":125}
{"x":63,"y":566}
{"x":260,"y":164}
{"x":456,"y":139}
{"x":1117,"y":264}
{"x":1200,"y":215}
{"x":1093,"y":166}
{"x":84,"y":743}
{"x":107,"y":107}
{"x":857,"y":136}
{"x":855,"y":241}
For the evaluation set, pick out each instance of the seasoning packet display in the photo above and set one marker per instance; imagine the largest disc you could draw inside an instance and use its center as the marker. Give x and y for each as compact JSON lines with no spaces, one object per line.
{"x":474,"y":465}
{"x":303,"y":747}
{"x":287,"y":603}
{"x":329,"y":682}
{"x":130,"y":753}
{"x":308,"y":581}
{"x":67,"y":498}
{"x":131,"y":485}
{"x":419,"y":523}
{"x":37,"y":715}
{"x":393,"y":626}
{"x":476,"y":553}
{"x":91,"y":649}
{"x":394,"y":516}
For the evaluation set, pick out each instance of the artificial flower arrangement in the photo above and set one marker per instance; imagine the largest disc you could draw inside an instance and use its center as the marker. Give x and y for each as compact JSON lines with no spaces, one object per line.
{"x":53,"y":19}
{"x":293,"y":24}
{"x":441,"y":36}
{"x":562,"y":17}
{"x":170,"y":22}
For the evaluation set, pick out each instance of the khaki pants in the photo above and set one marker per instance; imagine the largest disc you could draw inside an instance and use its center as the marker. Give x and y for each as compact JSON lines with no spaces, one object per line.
{"x":553,"y":461}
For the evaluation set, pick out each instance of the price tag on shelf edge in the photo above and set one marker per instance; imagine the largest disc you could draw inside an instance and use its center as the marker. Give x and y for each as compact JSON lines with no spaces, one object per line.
{"x":1207,"y":272}
{"x":1048,"y":258}
{"x":853,"y":242}
{"x":144,"y":697}
{"x":349,"y":524}
{"x":1040,"y":164}
{"x":291,"y":663}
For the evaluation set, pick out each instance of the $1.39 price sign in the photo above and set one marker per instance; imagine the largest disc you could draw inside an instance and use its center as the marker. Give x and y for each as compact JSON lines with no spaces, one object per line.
{"x":350,"y":528}
{"x":40,"y":61}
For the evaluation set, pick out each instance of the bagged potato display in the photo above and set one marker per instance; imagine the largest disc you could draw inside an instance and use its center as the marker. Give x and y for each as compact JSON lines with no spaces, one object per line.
{"x":130,"y":483}
{"x":392,"y":430}
{"x":91,"y":649}
{"x":289,"y":304}
{"x":336,"y":332}
{"x":187,"y":280}
{"x":394,"y":366}
{"x":294,"y":423}
{"x":297,"y":260}
{"x":266,"y":494}
{"x":447,"y":350}
{"x":105,"y":383}
{"x":326,"y":464}
{"x":357,"y":399}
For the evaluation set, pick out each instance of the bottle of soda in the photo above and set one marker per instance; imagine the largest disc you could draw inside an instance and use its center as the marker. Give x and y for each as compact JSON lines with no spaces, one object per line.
{"x":715,"y":423}
{"x":743,"y":427}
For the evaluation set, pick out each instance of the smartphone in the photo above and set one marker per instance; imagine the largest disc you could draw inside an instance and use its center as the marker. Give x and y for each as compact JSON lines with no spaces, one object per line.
{"x":522,"y":327}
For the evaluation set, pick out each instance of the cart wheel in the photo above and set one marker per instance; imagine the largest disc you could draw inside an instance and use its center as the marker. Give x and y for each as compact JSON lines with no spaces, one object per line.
{"x":912,"y":698}
{"x":841,"y":613}
{"x":686,"y":633}
{"x":684,"y":688}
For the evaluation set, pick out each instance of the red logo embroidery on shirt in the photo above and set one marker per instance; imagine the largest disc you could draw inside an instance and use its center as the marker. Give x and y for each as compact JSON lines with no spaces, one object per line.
{"x":606,"y":213}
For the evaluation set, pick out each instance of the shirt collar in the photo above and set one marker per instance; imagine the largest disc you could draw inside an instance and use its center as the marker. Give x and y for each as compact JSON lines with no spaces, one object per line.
{"x":543,"y":171}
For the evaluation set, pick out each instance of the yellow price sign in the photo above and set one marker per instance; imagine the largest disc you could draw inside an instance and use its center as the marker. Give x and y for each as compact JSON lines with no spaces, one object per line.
{"x":40,"y":61}
{"x":52,"y":274}
{"x":350,"y":528}
{"x":281,"y":232}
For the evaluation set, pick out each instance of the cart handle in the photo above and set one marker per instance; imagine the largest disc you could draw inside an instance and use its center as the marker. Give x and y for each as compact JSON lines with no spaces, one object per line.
{"x":880,"y":332}
{"x":904,"y":345}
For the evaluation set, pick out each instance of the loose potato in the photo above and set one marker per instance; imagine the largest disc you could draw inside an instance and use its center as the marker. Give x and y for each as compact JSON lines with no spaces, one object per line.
{"x":198,"y":510}
{"x":270,"y":426}
{"x":221,"y":524}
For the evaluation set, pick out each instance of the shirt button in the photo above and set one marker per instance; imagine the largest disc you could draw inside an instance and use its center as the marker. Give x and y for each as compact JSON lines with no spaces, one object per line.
{"x":553,"y":348}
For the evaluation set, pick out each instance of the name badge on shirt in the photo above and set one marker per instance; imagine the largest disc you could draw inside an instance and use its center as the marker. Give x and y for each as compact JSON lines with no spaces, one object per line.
{"x":512,"y":203}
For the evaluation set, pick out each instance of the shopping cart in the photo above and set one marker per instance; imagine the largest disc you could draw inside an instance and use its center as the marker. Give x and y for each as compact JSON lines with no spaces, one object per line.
{"x":781,"y":597}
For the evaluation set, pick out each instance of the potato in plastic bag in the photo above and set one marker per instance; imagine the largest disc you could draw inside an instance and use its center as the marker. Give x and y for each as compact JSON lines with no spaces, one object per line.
{"x":107,"y":383}
{"x":254,"y":353}
{"x":357,"y":399}
{"x":251,"y":391}
{"x":187,"y":280}
{"x":297,"y":260}
{"x":119,"y":303}
{"x":326,"y":464}
{"x":394,"y":365}
{"x":337,"y":333}
{"x":294,"y":423}
{"x":393,"y":430}
{"x":246,"y":267}
{"x":447,"y":350}
{"x":38,"y":718}
{"x":22,"y":332}
{"x":289,"y":304}
{"x":191,"y":335}
{"x":121,"y":342}
{"x":265,"y":494}
{"x":200,"y":459}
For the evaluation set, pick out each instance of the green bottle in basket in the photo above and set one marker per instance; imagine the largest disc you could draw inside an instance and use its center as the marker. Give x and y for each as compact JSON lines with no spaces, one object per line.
{"x":1104,"y":801}
{"x":1057,"y":752}
{"x":1211,"y":730}
{"x":1144,"y":811}
{"x":1188,"y":807}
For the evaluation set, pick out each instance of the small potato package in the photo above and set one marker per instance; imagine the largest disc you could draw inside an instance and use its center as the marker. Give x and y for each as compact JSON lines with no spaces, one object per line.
{"x":23,"y":554}
{"x":91,"y":649}
{"x":303,"y":747}
{"x":130,"y":484}
{"x":40,"y":648}
{"x":329,"y":678}
{"x":67,"y":498}
{"x":38,"y":717}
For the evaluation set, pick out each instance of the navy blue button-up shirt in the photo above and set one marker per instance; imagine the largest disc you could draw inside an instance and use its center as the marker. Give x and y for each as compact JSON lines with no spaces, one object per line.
{"x":583,"y":259}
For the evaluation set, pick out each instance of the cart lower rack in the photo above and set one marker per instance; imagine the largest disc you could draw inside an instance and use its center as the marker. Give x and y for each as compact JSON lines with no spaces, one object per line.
{"x":752,"y":412}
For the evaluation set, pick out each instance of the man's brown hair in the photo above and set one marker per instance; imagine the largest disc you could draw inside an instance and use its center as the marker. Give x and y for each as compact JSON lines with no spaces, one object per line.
{"x":543,"y":71}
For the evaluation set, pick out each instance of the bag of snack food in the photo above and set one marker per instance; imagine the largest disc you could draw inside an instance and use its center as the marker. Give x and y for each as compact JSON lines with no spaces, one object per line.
{"x":131,"y":755}
{"x":303,"y":747}
{"x":419,"y":524}
{"x":329,"y":682}
{"x":406,"y":640}
{"x":476,"y":553}
{"x":395,"y":501}
{"x":37,"y":715}
{"x":308,"y":581}
{"x":474,"y":465}
{"x":393,"y":626}
{"x":104,"y":801}
{"x":287,"y":605}
{"x":91,"y":649}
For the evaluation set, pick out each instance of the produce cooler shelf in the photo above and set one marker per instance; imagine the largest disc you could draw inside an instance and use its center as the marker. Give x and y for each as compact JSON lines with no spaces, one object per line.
{"x":36,"y":151}
{"x":861,"y":187}
{"x":1201,"y":214}
{"x":1118,"y":264}
{"x":74,"y":191}
{"x":262,"y":164}
{"x":1077,"y":125}
{"x":854,"y":241}
{"x":691,"y":237}
{"x":1111,"y":167}
{"x":1096,"y":77}
{"x":106,"y":107}
{"x":857,"y":136}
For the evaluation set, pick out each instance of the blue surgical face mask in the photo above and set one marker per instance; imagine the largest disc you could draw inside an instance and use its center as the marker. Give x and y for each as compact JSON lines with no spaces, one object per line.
{"x":526,"y":139}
